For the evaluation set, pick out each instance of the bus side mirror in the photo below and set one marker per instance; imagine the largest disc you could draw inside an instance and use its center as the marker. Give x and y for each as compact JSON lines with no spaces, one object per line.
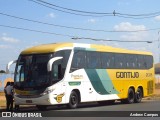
{"x":51,"y":61}
{"x":9,"y":64}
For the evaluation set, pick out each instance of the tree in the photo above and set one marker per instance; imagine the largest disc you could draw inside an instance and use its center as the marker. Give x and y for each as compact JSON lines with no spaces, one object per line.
{"x":2,"y":71}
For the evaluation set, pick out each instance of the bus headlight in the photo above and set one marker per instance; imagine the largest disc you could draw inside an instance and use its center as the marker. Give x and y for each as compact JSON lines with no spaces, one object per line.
{"x":47,"y":92}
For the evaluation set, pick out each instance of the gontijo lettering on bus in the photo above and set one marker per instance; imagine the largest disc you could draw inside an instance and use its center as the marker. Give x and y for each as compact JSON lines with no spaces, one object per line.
{"x":127,"y":74}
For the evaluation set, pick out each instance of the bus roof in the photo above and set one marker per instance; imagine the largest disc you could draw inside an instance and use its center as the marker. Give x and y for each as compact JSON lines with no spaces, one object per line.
{"x":46,"y":48}
{"x":49,"y":48}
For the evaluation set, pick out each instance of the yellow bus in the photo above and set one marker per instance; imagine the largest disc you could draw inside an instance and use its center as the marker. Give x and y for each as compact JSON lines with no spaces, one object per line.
{"x":73,"y":73}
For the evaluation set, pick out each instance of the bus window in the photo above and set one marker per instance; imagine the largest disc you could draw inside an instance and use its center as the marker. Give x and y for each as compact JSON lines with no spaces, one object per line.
{"x":57,"y":72}
{"x":63,"y":64}
{"x":21,"y":76}
{"x":93,"y":60}
{"x":149,"y":61}
{"x":20,"y":71}
{"x":107,"y":60}
{"x":65,"y":54}
{"x":31,"y":71}
{"x":120,"y":61}
{"x":131,"y":61}
{"x":78,"y":61}
{"x":141,"y":62}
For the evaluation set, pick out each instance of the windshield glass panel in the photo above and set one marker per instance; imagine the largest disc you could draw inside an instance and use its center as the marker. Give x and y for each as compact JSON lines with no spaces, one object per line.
{"x":31,"y":71}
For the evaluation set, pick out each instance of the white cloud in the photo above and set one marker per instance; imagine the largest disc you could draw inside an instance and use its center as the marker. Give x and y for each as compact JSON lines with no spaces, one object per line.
{"x":92,"y":20}
{"x":9,"y":39}
{"x":126,"y":26}
{"x":133,"y":36}
{"x":4,"y":46}
{"x":5,"y":38}
{"x":157,"y":18}
{"x":51,"y":15}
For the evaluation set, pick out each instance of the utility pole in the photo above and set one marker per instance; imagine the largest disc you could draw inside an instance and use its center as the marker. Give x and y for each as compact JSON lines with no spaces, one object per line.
{"x":159,"y":44}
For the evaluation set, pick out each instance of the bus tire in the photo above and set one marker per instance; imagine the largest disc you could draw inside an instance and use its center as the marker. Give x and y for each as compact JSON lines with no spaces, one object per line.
{"x":138,"y":96}
{"x":73,"y":100}
{"x":130,"y":98}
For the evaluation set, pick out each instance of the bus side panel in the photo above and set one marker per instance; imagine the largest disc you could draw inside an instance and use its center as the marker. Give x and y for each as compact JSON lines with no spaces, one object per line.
{"x":102,"y":84}
{"x":78,"y":80}
{"x":124,"y":79}
{"x":93,"y":84}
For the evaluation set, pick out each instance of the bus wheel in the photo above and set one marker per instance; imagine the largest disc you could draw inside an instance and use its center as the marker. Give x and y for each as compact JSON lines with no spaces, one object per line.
{"x":73,"y":100}
{"x":130,"y":98}
{"x":42,"y":107}
{"x":138,"y":96}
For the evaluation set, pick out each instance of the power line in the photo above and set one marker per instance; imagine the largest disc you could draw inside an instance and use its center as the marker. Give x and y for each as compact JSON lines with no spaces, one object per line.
{"x":35,"y":21}
{"x":135,"y":17}
{"x":80,"y":11}
{"x":95,"y":14}
{"x":104,"y":13}
{"x":64,"y":11}
{"x":72,"y":37}
{"x":67,"y":11}
{"x":76,"y":38}
{"x":145,"y":14}
{"x":69,"y":27}
{"x":31,"y":30}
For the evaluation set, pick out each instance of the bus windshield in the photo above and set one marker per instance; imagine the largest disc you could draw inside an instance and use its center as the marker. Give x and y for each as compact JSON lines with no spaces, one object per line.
{"x":31,"y":71}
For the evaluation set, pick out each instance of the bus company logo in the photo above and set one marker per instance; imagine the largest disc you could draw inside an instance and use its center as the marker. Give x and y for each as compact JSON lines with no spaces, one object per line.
{"x":77,"y":77}
{"x":127,"y":74}
{"x":59,"y":98}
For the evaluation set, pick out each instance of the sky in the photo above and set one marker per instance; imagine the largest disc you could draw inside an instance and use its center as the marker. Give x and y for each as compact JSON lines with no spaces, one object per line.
{"x":16,"y":15}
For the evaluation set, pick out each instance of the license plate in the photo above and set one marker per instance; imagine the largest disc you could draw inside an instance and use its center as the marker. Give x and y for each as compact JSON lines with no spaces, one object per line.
{"x":28,"y":101}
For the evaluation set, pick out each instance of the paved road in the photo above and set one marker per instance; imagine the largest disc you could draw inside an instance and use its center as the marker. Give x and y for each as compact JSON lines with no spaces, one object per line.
{"x":143,"y":106}
{"x":94,"y":109}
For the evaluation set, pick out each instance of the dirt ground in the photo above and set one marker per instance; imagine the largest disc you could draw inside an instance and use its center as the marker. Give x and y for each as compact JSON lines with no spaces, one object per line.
{"x":2,"y":97}
{"x":157,"y":91}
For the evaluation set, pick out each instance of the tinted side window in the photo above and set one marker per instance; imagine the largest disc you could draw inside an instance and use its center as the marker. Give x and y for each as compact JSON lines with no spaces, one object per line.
{"x":120,"y":61}
{"x":59,"y":67}
{"x":141,"y":62}
{"x":79,"y":59}
{"x":107,"y":60}
{"x":131,"y":61}
{"x":149,"y":61}
{"x":93,"y":60}
{"x":65,"y":54}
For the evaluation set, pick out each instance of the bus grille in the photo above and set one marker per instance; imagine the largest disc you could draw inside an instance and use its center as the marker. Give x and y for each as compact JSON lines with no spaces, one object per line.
{"x":28,"y":96}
